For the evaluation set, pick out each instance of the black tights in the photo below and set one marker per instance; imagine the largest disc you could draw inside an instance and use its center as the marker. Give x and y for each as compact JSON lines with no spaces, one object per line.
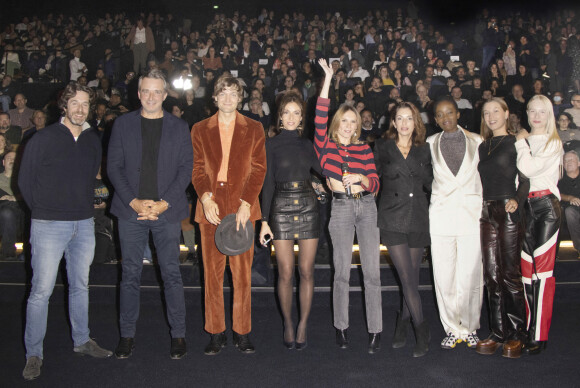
{"x":408,"y":263}
{"x":286,"y":267}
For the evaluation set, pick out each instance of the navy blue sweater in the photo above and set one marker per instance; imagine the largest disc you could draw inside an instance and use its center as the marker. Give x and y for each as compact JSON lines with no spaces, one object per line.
{"x":57,"y":173}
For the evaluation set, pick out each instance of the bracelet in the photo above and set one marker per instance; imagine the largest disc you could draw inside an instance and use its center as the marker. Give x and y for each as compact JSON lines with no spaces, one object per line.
{"x":246,"y":204}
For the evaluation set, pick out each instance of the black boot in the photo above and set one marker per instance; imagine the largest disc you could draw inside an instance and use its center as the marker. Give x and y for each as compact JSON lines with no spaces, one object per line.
{"x":532,"y":296}
{"x":423,"y":337}
{"x":400,"y":336}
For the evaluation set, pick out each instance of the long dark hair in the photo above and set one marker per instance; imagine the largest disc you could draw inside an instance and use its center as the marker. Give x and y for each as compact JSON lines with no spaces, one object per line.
{"x":418,"y":136}
{"x":286,"y":99}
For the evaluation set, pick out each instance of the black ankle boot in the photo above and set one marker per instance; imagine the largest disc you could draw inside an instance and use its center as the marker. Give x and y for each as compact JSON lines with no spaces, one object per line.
{"x":533,"y":347}
{"x":423,"y":337}
{"x":400,"y":336}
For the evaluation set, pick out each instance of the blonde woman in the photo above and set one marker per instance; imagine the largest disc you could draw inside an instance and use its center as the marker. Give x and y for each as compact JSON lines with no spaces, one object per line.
{"x":540,"y":159}
{"x":350,"y":169}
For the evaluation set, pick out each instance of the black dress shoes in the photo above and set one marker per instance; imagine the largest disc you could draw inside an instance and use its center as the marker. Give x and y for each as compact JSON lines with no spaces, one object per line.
{"x":374,"y":342}
{"x":178,"y":348}
{"x":125,"y":347}
{"x":301,"y":345}
{"x":535,"y":347}
{"x":243,"y":344}
{"x":342,"y":338}
{"x":216,"y":343}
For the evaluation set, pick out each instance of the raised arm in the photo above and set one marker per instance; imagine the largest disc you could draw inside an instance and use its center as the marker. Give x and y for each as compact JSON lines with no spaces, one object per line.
{"x":327,"y":77}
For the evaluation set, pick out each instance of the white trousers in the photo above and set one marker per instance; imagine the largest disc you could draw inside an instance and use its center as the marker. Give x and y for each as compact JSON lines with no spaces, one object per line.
{"x":458,"y":277}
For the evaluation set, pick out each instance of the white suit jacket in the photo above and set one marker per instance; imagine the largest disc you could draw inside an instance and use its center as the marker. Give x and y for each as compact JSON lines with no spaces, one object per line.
{"x":456,"y":201}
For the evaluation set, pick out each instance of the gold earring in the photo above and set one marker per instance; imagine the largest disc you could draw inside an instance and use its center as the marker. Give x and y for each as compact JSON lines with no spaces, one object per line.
{"x":281,"y":124}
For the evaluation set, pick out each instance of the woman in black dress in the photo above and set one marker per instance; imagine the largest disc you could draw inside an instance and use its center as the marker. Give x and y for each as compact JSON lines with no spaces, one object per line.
{"x":403,"y":162}
{"x":502,"y":231}
{"x":290,"y":212}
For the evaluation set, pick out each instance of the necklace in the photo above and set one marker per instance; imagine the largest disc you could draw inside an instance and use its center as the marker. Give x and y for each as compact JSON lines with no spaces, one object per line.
{"x":497,"y":145}
{"x":404,"y":149}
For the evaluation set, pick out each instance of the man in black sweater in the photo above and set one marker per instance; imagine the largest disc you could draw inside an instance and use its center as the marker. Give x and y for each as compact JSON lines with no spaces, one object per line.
{"x":56,"y":179}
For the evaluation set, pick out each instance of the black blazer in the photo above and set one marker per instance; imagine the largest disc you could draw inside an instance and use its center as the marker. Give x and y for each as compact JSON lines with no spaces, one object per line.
{"x":405,"y":183}
{"x":174,"y":164}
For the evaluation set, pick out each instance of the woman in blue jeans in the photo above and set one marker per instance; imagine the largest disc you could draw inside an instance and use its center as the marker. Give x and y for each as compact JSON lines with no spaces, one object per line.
{"x":349,"y":167}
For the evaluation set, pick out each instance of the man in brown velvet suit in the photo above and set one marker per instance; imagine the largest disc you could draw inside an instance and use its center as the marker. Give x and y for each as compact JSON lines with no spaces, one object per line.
{"x":228,"y":172}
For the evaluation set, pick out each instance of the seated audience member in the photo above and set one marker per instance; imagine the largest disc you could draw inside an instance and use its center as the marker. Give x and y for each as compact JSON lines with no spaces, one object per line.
{"x":558,"y":103}
{"x":567,"y":130}
{"x":369,"y":132}
{"x":575,"y":110}
{"x":5,"y":147}
{"x":465,"y":110}
{"x":6,"y":92}
{"x":376,"y":96}
{"x":356,"y":71}
{"x":39,"y":122}
{"x":115,"y":105}
{"x":99,"y":75}
{"x":77,"y":68}
{"x":256,"y":112}
{"x":12,"y":133}
{"x":11,"y":215}
{"x":569,"y":187}
{"x":21,"y":115}
{"x":516,"y":100}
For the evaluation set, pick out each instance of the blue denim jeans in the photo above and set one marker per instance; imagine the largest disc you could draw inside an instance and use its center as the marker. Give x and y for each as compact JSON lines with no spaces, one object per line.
{"x":49,"y":240}
{"x":348,"y":216}
{"x":134,"y":237}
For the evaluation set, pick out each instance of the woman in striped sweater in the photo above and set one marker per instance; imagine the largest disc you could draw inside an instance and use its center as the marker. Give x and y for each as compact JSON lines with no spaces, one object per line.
{"x":349,"y":167}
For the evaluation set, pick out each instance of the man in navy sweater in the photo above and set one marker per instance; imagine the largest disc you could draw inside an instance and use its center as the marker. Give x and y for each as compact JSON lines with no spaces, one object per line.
{"x":56,"y":179}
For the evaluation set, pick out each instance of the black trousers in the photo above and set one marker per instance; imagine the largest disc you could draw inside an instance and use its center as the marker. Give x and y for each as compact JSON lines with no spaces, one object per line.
{"x":501,"y":244}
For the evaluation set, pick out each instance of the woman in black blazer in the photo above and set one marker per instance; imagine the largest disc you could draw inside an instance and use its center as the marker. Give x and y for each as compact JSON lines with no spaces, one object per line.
{"x":403,"y":162}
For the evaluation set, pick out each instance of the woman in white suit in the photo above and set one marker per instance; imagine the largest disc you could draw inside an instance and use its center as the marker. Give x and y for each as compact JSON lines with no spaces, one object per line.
{"x":454,"y":213}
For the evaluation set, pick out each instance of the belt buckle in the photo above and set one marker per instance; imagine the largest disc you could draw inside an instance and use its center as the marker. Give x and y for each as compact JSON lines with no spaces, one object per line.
{"x":295,"y":184}
{"x":356,"y":195}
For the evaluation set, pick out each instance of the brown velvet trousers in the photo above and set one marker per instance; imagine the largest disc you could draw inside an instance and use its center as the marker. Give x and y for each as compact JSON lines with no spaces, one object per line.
{"x":214,"y":265}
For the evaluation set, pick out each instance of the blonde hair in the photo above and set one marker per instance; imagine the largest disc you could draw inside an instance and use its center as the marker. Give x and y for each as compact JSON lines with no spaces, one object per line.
{"x":484,"y":130}
{"x":551,"y":129}
{"x":335,"y":124}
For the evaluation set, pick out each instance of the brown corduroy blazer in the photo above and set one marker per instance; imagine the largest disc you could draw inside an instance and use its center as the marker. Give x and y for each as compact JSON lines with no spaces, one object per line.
{"x":246,"y":168}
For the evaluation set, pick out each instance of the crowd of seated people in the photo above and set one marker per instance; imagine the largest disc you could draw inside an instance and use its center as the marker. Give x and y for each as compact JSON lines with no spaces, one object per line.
{"x":379,"y":58}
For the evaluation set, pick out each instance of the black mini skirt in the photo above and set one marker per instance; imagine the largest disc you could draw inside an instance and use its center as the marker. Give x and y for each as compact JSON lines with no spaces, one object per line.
{"x":294,"y":213}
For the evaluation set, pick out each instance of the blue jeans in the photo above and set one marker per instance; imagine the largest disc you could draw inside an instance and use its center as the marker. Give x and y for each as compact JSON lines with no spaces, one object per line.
{"x":348,"y":215}
{"x":49,"y":240}
{"x":134,"y":236}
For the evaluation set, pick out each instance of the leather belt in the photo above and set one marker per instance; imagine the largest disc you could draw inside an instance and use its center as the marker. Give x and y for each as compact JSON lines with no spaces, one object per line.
{"x":540,"y":193}
{"x":352,"y":196}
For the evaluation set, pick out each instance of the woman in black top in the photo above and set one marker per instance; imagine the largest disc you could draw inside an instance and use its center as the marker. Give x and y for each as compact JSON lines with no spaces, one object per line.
{"x":403,"y":162}
{"x":290,"y":212}
{"x":502,"y":231}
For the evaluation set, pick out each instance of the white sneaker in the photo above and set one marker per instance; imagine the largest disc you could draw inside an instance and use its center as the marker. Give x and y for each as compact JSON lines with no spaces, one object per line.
{"x":471,"y":340}
{"x":450,"y":341}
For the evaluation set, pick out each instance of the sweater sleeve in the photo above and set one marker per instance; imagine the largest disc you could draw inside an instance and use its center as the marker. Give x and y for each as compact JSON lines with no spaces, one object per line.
{"x":533,"y":166}
{"x":28,"y":170}
{"x":320,"y":123}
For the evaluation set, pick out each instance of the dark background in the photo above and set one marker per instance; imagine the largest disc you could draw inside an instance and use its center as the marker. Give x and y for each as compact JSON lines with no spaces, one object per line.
{"x":441,"y":10}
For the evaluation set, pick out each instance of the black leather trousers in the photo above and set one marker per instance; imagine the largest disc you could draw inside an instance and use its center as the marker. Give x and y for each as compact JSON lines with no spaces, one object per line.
{"x":538,"y":258}
{"x":501,"y":245}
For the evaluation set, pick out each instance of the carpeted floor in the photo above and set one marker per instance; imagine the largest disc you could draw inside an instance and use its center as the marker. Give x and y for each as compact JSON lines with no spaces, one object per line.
{"x":322,"y":364}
